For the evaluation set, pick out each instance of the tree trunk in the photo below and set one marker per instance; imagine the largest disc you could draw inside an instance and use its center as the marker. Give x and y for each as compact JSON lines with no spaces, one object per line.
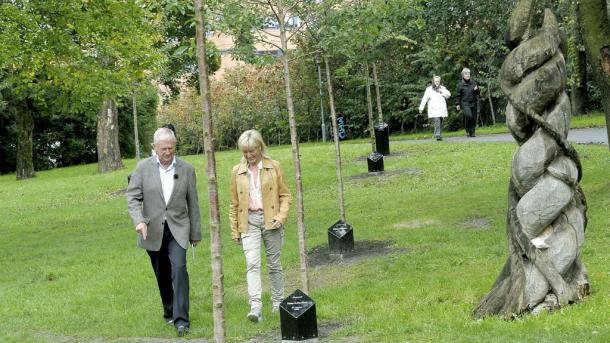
{"x":321,"y":101}
{"x":24,"y":156}
{"x":593,"y":17}
{"x":491,"y":104}
{"x":579,"y":93}
{"x":333,"y":115}
{"x":369,"y":106}
{"x":135,"y":126}
{"x":377,"y":92}
{"x":295,"y":150}
{"x":214,"y":211}
{"x":108,"y":152}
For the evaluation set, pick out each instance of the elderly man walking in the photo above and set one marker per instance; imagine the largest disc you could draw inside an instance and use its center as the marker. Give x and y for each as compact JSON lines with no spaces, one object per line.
{"x":467,"y":100}
{"x":164,"y":207}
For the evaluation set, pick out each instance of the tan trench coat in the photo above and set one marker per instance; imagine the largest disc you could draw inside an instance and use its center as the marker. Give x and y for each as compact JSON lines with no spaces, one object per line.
{"x":276,"y":196}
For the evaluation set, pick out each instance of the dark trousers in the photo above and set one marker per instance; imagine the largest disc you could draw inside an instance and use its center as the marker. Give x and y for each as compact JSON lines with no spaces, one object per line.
{"x":169,"y":265}
{"x":470,"y":119}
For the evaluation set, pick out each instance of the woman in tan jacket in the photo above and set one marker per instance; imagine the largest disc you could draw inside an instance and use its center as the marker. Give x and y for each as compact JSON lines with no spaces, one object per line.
{"x":260,"y":201}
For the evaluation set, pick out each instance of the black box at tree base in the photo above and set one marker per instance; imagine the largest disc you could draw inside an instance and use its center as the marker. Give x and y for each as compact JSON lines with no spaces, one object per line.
{"x":374,"y":162}
{"x":340,"y":238}
{"x":298,"y":318}
{"x":382,"y":138}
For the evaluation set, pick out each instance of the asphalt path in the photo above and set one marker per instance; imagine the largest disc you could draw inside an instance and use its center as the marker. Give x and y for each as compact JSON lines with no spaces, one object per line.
{"x":595,"y":135}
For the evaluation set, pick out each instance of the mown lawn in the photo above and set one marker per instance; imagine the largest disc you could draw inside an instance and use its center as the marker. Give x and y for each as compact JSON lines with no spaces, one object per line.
{"x":70,"y":270}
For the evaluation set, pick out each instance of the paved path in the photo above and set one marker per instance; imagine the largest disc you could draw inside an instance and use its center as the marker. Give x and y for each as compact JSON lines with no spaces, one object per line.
{"x":596,"y":135}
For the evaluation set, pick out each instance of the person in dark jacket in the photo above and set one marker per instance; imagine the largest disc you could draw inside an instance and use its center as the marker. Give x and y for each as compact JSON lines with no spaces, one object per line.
{"x":467,"y":100}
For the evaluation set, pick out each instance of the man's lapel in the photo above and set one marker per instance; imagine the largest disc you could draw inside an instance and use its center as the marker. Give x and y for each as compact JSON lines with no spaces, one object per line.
{"x":157,"y":177}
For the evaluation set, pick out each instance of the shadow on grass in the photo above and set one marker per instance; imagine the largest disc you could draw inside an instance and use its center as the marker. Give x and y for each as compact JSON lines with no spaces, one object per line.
{"x":325,"y":329}
{"x":363,"y":250}
{"x":403,"y":171}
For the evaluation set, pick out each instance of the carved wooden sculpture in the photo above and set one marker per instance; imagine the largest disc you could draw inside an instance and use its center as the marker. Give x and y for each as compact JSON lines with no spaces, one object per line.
{"x":546,"y":216}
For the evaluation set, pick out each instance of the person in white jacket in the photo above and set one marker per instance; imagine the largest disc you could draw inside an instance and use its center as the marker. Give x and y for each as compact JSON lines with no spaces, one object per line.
{"x":435,"y":96}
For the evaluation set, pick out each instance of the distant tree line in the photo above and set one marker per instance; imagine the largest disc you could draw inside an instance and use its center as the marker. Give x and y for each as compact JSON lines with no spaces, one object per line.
{"x":408,"y":41}
{"x":64,"y":66}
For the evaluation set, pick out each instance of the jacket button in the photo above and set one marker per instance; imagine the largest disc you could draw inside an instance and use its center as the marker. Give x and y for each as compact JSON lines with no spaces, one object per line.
{"x":272,"y":206}
{"x":270,"y":188}
{"x":241,"y":210}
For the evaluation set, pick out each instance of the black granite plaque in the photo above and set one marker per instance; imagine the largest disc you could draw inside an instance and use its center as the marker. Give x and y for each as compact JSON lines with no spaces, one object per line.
{"x":340,"y":238}
{"x":298,"y":318}
{"x":382,"y":138}
{"x":375,"y":162}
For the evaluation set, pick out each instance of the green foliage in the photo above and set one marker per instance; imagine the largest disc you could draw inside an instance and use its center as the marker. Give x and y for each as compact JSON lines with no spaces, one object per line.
{"x":177,"y":25}
{"x":64,"y":138}
{"x":78,"y":51}
{"x":247,"y":98}
{"x":147,"y":101}
{"x":59,"y":59}
{"x":71,"y":267}
{"x":185,"y":113}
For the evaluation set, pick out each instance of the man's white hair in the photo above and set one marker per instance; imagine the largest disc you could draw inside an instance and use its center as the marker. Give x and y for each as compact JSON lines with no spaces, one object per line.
{"x":163,"y":134}
{"x":465,"y":71}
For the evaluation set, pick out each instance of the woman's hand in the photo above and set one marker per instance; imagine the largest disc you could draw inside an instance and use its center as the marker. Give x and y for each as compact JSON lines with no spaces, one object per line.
{"x":237,"y":241}
{"x":276,"y":224}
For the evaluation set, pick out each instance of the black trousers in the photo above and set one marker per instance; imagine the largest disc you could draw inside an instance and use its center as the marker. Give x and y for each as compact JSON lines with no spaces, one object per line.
{"x":169,"y":265}
{"x":470,"y":119}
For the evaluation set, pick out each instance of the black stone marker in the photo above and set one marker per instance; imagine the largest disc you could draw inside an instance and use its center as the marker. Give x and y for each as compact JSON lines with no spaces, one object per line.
{"x":298,"y":318}
{"x":375,"y":162}
{"x":382,"y":138}
{"x":340,"y":238}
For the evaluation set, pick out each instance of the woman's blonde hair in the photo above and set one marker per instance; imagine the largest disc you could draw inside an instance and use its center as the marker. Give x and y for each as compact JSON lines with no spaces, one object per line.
{"x":250,"y":140}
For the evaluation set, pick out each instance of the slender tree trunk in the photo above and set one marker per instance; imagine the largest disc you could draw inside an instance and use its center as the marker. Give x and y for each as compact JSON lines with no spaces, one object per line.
{"x":295,"y":150}
{"x":369,"y":106}
{"x":321,"y":101}
{"x":108,"y":151}
{"x":593,"y":17}
{"x":377,"y":92}
{"x":491,"y":104}
{"x":214,"y":211}
{"x":25,"y":133}
{"x":333,"y":115}
{"x":136,"y":138}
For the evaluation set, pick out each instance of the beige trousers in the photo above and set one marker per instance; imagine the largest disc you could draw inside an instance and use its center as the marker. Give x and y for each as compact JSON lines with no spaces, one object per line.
{"x":251,"y":243}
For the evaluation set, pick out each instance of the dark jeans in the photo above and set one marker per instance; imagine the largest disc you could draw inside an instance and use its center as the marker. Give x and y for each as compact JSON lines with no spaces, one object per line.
{"x":470,"y":119}
{"x":169,"y":265}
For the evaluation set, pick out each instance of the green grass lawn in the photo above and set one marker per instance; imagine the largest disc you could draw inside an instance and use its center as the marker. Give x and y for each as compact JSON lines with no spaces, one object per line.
{"x":70,"y":270}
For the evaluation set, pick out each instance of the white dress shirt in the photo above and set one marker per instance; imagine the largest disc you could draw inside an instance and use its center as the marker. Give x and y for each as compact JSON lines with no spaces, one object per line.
{"x":167,"y":179}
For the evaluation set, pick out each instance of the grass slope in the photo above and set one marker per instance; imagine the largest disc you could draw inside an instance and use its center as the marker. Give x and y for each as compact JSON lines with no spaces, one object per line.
{"x":70,"y":269}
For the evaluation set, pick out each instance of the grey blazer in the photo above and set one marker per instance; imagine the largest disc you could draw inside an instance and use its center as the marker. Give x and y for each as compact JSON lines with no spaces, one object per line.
{"x":147,"y":205}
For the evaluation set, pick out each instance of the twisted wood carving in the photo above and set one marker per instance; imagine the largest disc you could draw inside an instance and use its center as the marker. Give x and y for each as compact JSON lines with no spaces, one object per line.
{"x":546,"y":216}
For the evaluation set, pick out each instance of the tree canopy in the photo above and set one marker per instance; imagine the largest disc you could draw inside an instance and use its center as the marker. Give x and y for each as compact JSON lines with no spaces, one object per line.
{"x":60,"y":59}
